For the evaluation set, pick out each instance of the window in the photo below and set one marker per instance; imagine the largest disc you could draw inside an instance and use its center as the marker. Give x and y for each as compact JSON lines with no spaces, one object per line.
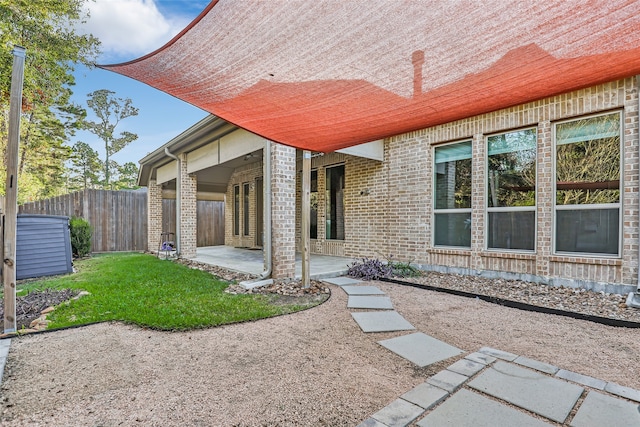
{"x":236,"y":210}
{"x":588,"y":158}
{"x":452,"y":195}
{"x":313,"y":217}
{"x":335,"y":203}
{"x":245,"y":210}
{"x":511,"y":190}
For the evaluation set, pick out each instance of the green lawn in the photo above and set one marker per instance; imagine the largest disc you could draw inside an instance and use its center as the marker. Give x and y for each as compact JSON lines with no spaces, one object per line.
{"x":143,"y":290}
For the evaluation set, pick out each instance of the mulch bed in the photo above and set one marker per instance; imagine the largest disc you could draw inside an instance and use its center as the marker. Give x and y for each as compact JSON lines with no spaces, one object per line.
{"x":29,"y":307}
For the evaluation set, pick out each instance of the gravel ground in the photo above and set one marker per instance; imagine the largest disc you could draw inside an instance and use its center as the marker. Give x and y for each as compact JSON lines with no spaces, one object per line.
{"x":311,"y":368}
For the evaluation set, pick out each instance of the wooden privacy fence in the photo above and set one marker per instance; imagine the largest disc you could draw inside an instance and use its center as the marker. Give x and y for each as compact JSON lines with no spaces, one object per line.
{"x":119,"y":218}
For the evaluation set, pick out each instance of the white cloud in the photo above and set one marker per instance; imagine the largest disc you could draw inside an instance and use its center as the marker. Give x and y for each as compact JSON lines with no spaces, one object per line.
{"x":130,"y":28}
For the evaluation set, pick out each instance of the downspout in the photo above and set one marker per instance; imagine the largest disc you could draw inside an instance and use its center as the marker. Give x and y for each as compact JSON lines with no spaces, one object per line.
{"x":266,"y":210}
{"x":178,"y":185}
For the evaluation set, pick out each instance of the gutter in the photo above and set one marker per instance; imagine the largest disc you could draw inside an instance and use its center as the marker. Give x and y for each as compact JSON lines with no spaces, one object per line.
{"x":178,"y":194}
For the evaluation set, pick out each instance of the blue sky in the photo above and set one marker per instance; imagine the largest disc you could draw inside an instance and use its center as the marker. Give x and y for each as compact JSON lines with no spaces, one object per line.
{"x":129,"y":29}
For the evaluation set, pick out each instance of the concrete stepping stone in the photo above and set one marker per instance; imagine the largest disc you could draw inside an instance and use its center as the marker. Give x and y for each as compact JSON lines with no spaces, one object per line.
{"x":5,"y":344}
{"x":398,"y":413}
{"x":447,"y":380}
{"x":425,"y":395}
{"x":342,"y":281}
{"x":538,"y":366}
{"x":373,"y":302}
{"x":531,"y":390}
{"x":420,"y":348}
{"x":601,"y":410}
{"x":581,"y":379}
{"x":381,"y":321}
{"x":623,"y":391}
{"x":468,"y":409}
{"x":362,"y":290}
{"x":504,"y":355}
{"x":466,"y":367}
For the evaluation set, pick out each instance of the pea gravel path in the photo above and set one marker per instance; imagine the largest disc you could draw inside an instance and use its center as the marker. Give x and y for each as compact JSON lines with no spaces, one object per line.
{"x":311,"y":368}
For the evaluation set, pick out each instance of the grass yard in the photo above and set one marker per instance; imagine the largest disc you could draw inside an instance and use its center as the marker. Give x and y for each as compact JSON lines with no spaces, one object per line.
{"x":143,"y":290}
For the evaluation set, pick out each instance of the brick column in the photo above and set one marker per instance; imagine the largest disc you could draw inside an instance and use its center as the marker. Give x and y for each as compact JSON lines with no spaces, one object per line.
{"x":478,"y":201}
{"x":545,"y":195}
{"x":188,"y":210}
{"x":154,"y":215}
{"x":283,"y":211}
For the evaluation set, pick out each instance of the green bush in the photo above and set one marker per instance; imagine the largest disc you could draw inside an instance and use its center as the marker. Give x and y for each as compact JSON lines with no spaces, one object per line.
{"x":80,"y":236}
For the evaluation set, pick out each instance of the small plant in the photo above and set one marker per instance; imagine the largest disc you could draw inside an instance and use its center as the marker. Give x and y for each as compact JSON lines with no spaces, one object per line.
{"x":404,"y":269}
{"x":369,"y":269}
{"x":80,"y":233}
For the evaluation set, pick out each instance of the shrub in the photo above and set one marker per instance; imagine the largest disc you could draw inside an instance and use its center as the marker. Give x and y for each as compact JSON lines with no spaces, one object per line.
{"x":369,"y":269}
{"x":404,"y":269}
{"x":80,"y":231}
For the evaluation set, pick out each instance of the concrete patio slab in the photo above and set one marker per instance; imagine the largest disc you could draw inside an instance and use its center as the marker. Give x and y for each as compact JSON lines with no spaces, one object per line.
{"x":623,"y":391}
{"x":342,"y":281}
{"x":5,"y":344}
{"x":370,"y":422}
{"x":485,"y":359}
{"x":538,"y":366}
{"x":398,"y":413}
{"x":504,"y":355}
{"x":425,"y":395}
{"x":362,"y":290}
{"x":373,"y":302}
{"x":447,"y":380}
{"x":538,"y":393}
{"x":420,"y":348}
{"x":381,"y":321}
{"x":466,"y":367}
{"x":601,"y":410}
{"x":581,"y":379}
{"x":468,"y":409}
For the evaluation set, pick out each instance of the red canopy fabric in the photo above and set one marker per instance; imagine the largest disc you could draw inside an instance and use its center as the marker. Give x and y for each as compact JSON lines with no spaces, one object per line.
{"x":328,"y":74}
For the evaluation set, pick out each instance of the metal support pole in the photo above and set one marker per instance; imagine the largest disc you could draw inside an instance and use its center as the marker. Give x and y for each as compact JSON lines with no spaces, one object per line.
{"x":11,"y":191}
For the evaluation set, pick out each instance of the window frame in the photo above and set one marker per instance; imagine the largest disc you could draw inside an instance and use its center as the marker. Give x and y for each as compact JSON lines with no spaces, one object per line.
{"x":327,"y":204}
{"x":505,"y":209}
{"x":246,"y":206}
{"x":436,"y":211}
{"x":589,"y":207}
{"x":236,"y":210}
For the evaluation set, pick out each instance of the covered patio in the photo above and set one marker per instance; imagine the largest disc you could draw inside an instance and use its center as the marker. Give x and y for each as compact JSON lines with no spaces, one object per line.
{"x":251,"y":261}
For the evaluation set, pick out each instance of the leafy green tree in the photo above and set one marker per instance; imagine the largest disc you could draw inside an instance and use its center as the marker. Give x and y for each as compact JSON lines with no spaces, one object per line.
{"x":127,"y":177}
{"x":46,"y":29}
{"x":110,"y":111}
{"x":86,"y":167}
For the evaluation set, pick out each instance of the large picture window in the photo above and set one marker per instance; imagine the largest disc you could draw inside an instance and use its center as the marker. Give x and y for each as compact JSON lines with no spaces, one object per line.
{"x":335,"y":203}
{"x":452,"y":195}
{"x":511,"y":190}
{"x":588,"y":185}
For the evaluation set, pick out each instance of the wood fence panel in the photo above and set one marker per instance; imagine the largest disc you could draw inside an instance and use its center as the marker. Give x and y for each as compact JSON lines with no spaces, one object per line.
{"x":119,"y":218}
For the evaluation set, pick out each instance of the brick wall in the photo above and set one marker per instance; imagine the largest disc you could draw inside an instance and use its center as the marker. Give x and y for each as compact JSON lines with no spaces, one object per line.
{"x":189,"y":209}
{"x":283,"y":162}
{"x":246,"y":174}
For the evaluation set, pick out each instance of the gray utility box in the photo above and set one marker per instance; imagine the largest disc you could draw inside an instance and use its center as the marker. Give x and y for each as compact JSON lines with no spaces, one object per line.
{"x":43,"y":246}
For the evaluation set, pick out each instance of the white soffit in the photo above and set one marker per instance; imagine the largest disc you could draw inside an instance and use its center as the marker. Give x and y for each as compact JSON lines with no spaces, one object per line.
{"x":166,"y":173}
{"x":369,"y":150}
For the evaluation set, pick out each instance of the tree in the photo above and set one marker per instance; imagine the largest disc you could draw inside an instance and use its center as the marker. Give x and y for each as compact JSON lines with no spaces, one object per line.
{"x":46,"y":29}
{"x":127,"y":177}
{"x":110,"y":111}
{"x":86,"y":167}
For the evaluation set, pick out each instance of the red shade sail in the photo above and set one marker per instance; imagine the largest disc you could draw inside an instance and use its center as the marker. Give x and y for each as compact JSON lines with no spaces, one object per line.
{"x":327,"y":74}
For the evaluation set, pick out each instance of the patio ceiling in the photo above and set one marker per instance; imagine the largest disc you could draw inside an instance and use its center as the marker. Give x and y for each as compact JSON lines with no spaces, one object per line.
{"x":328,"y":74}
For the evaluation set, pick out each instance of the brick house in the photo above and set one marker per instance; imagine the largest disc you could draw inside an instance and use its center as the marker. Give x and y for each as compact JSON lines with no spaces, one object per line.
{"x":544,"y":191}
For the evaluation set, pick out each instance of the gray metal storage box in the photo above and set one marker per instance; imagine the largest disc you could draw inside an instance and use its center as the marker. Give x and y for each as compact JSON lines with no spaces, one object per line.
{"x":43,"y":246}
